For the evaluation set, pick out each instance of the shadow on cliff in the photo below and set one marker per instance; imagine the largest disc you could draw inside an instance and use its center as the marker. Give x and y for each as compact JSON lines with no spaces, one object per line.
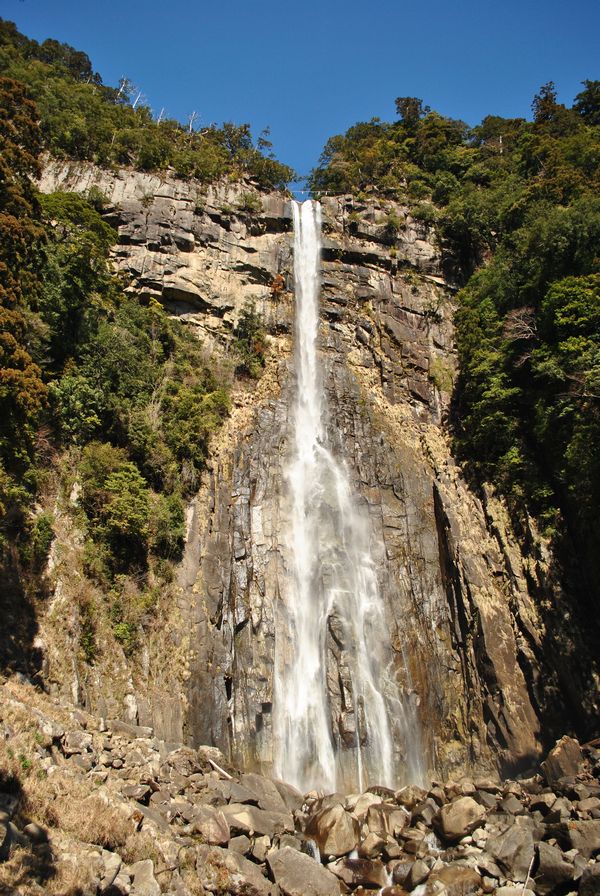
{"x":18,"y":619}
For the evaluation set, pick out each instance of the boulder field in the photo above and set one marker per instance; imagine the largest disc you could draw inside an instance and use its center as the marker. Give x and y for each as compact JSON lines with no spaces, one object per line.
{"x":95,"y":806}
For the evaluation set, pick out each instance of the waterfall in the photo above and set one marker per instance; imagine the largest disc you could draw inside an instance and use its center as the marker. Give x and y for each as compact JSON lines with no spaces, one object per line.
{"x":334,"y":635}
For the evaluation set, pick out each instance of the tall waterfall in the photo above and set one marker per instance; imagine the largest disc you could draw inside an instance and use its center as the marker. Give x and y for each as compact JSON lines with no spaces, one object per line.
{"x":335,"y":627}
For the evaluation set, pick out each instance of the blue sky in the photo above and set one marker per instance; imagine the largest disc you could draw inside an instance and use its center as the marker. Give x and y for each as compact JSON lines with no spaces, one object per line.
{"x":311,"y":69}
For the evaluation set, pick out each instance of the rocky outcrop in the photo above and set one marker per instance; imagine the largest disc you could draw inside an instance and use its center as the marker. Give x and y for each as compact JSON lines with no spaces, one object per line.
{"x":463,"y":601}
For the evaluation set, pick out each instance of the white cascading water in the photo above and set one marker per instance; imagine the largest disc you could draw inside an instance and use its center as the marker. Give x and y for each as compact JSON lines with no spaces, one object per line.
{"x":333,"y":585}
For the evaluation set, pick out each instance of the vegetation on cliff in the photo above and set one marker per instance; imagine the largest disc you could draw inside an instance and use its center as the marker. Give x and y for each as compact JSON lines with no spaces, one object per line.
{"x":82,"y":118}
{"x":112,"y":393}
{"x":515,"y":207}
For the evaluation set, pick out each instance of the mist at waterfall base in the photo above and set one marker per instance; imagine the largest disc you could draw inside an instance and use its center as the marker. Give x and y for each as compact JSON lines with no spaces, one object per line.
{"x":333,"y":626}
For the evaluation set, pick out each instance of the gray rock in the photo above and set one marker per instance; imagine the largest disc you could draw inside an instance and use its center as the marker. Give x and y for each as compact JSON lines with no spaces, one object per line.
{"x":144,"y":882}
{"x":248,"y":819}
{"x":211,"y":824}
{"x":513,"y":850}
{"x":584,"y":836}
{"x":589,"y":884}
{"x":553,"y":871}
{"x":297,"y":874}
{"x":241,"y":844}
{"x":111,"y":865}
{"x":75,"y":742}
{"x":227,"y":871}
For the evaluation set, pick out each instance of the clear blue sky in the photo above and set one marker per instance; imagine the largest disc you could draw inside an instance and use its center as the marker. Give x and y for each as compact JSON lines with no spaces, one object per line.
{"x":310,"y":69}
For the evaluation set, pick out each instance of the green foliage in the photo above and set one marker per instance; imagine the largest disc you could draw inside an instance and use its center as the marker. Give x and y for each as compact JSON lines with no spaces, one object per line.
{"x":516,"y":209}
{"x":42,"y":535}
{"x":250,"y":342}
{"x":81,"y":118}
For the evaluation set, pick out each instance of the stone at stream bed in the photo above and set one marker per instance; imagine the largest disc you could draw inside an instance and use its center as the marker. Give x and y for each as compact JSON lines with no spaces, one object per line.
{"x":459,"y":818}
{"x":334,"y":830}
{"x":297,"y":874}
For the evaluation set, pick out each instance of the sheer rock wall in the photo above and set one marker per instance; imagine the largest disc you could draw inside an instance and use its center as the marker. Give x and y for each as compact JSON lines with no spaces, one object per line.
{"x":458,"y":592}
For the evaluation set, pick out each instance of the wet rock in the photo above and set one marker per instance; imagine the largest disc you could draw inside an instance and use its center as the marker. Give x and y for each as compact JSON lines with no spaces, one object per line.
{"x":385,"y":819}
{"x":553,"y":871}
{"x":211,"y":824}
{"x":458,"y":818}
{"x":298,"y":875}
{"x":418,"y":872}
{"x":563,"y":760}
{"x":334,"y":831}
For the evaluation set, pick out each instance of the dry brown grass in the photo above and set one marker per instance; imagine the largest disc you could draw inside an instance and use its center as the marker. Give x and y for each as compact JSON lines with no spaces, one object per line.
{"x":64,"y":803}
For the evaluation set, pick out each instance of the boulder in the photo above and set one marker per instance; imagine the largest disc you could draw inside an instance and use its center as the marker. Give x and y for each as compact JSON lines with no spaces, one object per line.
{"x":458,"y":818}
{"x":266,"y":792}
{"x":211,"y":824}
{"x":553,"y":871}
{"x":247,"y":819}
{"x":457,"y":880}
{"x":334,"y":830}
{"x":385,"y":819}
{"x":226,"y":871}
{"x":368,"y":873}
{"x":513,"y":850}
{"x":584,"y":836}
{"x":565,"y":759}
{"x":296,"y":874}
{"x":144,"y":882}
{"x":589,"y":884}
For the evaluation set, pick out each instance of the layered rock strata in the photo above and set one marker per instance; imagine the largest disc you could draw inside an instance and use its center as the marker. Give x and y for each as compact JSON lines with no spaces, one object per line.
{"x":462,"y":599}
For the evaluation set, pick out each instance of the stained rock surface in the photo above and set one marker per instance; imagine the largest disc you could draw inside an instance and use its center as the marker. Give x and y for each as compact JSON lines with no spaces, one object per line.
{"x":479,"y":638}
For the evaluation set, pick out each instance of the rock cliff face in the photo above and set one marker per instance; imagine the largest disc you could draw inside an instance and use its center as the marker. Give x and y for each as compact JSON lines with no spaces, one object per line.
{"x":462,"y":600}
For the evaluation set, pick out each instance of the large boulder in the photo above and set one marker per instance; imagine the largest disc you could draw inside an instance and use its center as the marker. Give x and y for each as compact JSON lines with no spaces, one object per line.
{"x":296,"y":874}
{"x":584,"y":836}
{"x":453,"y":880}
{"x":564,"y":760}
{"x":334,"y":830}
{"x":247,"y":819}
{"x":211,"y":824}
{"x":590,"y":881}
{"x":513,"y":850}
{"x":457,"y":819}
{"x":553,"y":871}
{"x":367,"y":873}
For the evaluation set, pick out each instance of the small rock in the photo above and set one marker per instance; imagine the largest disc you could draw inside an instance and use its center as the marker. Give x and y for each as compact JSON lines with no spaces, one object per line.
{"x":456,"y":880}
{"x":211,"y":824}
{"x":241,"y":844}
{"x":36,"y":833}
{"x":418,"y":873}
{"x":357,"y":872}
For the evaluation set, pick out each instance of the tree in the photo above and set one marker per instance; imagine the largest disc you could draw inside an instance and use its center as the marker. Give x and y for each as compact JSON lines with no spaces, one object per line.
{"x":545,"y":105}
{"x":411,"y":110}
{"x":587,"y":103}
